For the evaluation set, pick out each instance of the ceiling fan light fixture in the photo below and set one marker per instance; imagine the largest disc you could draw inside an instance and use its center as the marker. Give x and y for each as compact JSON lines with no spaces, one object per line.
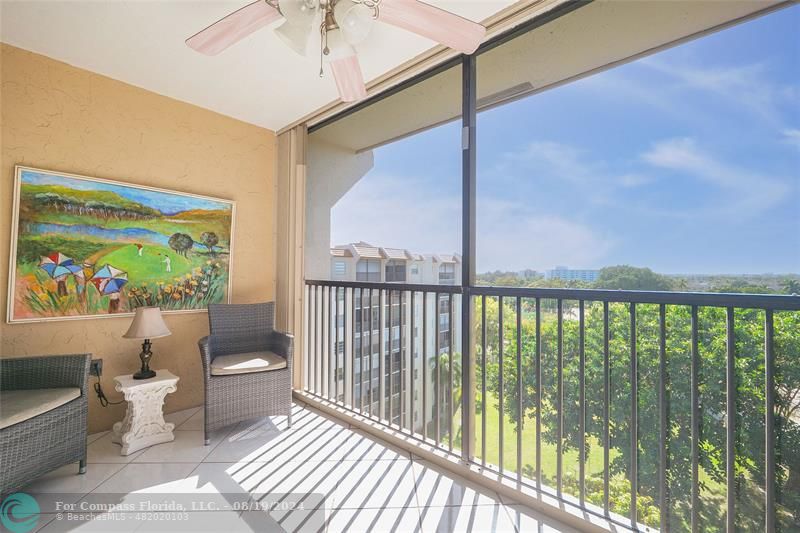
{"x":296,"y":30}
{"x":295,"y":36}
{"x":355,"y":20}
{"x":299,"y":11}
{"x":337,"y":46}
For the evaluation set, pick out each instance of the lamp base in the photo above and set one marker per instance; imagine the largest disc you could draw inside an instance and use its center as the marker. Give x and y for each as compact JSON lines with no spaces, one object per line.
{"x":145,"y":372}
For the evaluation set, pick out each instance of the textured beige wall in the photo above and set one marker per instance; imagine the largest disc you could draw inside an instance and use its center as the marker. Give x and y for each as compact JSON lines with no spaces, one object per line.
{"x":58,"y":117}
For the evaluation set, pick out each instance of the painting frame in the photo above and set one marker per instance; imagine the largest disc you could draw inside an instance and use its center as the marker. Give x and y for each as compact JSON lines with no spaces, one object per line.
{"x":15,"y":233}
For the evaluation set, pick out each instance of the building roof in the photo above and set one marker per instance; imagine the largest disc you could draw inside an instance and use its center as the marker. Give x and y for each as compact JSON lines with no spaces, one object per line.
{"x":396,"y":253}
{"x":366,"y":250}
{"x":341,"y":252}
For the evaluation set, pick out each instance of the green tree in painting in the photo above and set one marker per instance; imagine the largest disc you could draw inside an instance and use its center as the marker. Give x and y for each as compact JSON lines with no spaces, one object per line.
{"x":181,"y":243}
{"x":209,"y":240}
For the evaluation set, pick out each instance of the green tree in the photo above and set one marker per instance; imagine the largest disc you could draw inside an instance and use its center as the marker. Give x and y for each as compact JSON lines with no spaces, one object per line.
{"x":790,"y":286}
{"x":741,"y":286}
{"x":631,"y":278}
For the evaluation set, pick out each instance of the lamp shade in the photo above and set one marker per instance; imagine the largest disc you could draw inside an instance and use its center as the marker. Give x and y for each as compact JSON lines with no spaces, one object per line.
{"x":355,"y":20}
{"x":147,"y":324}
{"x":295,"y":36}
{"x":299,"y":15}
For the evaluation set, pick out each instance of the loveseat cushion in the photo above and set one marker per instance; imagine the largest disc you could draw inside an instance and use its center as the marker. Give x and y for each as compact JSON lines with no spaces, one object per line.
{"x":245,"y":363}
{"x":19,"y":405}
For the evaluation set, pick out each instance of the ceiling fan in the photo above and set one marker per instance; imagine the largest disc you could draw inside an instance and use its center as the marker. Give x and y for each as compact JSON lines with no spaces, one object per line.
{"x":342,"y":25}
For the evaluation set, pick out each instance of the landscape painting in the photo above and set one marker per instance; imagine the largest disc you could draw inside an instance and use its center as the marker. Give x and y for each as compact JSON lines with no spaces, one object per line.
{"x":85,"y":247}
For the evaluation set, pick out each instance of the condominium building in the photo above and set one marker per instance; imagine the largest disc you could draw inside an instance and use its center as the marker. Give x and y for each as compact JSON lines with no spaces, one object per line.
{"x":410,"y":348}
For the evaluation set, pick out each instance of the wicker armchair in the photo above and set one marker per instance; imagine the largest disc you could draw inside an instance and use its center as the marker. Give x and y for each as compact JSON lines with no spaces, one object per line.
{"x":247,"y":365}
{"x":36,"y":445}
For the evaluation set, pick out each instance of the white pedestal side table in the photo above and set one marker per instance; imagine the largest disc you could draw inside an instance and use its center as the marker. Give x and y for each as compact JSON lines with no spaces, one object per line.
{"x":144,"y":423}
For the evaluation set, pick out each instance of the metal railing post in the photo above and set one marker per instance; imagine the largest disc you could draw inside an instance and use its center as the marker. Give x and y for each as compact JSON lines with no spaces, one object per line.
{"x":468,"y":187}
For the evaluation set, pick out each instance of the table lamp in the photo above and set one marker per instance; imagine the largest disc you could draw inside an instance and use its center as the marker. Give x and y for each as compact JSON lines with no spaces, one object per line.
{"x":147,"y":324}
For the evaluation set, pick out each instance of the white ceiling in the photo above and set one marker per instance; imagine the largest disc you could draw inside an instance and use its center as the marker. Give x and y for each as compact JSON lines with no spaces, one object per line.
{"x":258,"y":80}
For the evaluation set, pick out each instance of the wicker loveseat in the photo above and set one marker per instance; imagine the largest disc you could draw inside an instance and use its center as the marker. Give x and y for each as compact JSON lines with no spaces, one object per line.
{"x":247,"y":365}
{"x":43,"y":404}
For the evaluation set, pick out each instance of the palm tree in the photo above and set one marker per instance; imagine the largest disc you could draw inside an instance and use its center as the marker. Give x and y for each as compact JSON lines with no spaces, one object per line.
{"x":445,"y":388}
{"x":791,"y":286}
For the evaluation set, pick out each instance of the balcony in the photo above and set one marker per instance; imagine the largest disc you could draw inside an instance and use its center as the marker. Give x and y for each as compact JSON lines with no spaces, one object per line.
{"x":638,"y":409}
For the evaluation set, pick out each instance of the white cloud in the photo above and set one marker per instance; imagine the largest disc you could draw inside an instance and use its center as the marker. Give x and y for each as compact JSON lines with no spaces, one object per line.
{"x":398,"y":212}
{"x":746,"y":86}
{"x":622,"y":85}
{"x":555,"y":160}
{"x":634,"y":180}
{"x":563,"y":162}
{"x":791,"y":136}
{"x":403,"y":212}
{"x":744,"y":192}
{"x":511,"y":237}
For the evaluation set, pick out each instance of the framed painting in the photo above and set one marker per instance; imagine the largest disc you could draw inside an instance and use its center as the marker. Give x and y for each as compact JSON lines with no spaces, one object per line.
{"x":85,"y":247}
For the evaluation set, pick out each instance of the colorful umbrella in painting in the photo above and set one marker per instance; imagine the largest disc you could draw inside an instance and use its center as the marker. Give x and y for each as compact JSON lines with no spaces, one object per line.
{"x":58,"y":265}
{"x":109,"y":279}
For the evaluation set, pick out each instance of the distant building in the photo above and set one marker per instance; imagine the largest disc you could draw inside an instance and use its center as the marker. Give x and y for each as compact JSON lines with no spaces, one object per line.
{"x":364,"y":262}
{"x":566,"y":274}
{"x":361,"y":261}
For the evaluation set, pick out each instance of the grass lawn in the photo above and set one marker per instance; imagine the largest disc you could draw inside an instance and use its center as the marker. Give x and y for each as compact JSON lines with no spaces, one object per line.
{"x":150,"y":266}
{"x":594,"y":459}
{"x":712,"y":493}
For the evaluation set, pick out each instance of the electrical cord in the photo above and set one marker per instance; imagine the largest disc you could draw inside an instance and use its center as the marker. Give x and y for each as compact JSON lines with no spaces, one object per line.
{"x":102,"y":397}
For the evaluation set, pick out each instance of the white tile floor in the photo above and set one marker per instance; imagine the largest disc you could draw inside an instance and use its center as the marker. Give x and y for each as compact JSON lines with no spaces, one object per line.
{"x":336,"y":479}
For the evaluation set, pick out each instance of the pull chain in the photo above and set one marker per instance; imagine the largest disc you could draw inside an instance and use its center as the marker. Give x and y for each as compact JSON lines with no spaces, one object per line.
{"x":323,"y":37}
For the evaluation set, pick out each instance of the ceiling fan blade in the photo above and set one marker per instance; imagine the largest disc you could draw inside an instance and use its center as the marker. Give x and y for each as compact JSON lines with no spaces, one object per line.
{"x":442,"y":26}
{"x":349,"y":79}
{"x":233,"y":28}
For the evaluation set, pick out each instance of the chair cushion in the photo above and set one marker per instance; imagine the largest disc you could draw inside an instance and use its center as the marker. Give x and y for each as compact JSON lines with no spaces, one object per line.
{"x":244,"y":363}
{"x":19,"y":405}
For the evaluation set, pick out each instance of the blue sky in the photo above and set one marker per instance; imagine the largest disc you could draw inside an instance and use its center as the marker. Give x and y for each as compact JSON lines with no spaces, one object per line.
{"x":687,"y":161}
{"x":167,"y":203}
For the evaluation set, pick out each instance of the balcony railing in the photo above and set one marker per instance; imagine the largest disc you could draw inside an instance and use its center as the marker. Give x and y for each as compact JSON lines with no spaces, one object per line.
{"x":677,"y":411}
